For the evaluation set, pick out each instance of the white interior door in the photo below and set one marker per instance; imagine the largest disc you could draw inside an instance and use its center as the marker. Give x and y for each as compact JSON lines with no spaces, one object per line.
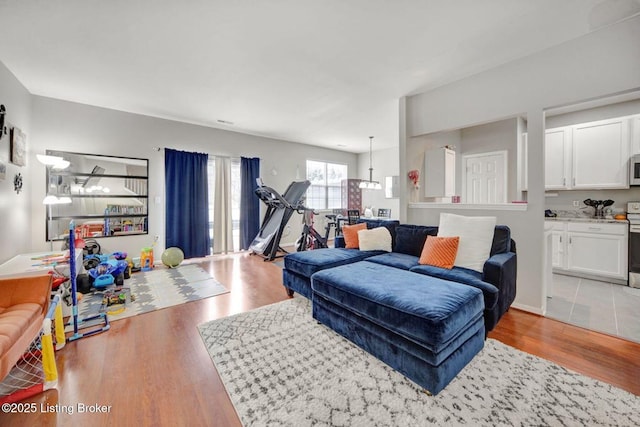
{"x":485,"y":178}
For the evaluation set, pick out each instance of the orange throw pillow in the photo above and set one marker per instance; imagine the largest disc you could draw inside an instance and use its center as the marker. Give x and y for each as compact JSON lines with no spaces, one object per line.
{"x":439,"y":251}
{"x":350,"y":233}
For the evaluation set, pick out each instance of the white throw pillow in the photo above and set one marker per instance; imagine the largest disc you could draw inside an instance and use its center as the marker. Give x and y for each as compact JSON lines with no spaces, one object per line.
{"x":376,"y":239}
{"x":476,"y":238}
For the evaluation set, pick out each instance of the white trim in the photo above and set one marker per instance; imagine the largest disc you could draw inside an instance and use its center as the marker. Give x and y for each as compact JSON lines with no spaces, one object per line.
{"x":504,"y":154}
{"x":528,"y":308}
{"x":469,"y":206}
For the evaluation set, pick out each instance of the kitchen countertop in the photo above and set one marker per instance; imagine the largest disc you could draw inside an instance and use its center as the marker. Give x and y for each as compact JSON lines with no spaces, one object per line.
{"x":586,"y":219}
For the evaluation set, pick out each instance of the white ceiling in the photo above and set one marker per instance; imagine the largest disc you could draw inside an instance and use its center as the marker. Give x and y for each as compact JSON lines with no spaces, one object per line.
{"x":321,"y":72}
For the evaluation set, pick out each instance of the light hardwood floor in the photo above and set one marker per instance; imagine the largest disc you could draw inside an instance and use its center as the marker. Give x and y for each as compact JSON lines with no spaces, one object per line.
{"x":153,"y":369}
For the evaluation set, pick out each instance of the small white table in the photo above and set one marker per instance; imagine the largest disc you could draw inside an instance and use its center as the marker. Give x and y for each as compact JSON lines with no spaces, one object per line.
{"x":37,"y":263}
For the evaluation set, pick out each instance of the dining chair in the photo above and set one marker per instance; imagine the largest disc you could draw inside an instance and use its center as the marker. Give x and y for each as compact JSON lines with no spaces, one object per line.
{"x":384,"y":213}
{"x":353,"y":216}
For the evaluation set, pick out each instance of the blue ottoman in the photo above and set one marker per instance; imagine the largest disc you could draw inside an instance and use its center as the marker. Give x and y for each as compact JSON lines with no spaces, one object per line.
{"x":424,"y":327}
{"x":299,"y":266}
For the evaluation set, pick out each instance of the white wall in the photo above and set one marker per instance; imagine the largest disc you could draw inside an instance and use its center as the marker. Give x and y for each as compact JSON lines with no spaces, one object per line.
{"x":496,"y":136}
{"x":68,"y":126}
{"x":15,"y":222}
{"x":598,"y":64}
{"x":385,"y":163}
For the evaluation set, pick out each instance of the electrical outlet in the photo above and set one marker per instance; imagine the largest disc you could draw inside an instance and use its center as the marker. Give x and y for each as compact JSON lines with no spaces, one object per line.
{"x":576,"y":203}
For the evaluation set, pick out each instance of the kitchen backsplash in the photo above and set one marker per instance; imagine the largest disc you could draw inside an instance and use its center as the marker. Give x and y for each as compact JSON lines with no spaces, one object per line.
{"x":564,"y":199}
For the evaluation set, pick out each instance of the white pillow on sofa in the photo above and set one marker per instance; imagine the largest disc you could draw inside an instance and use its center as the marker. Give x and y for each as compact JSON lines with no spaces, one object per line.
{"x":476,"y":238}
{"x":376,"y":239}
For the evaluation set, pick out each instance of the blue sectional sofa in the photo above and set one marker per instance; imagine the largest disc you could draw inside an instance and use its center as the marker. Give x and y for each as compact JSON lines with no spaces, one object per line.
{"x":497,"y":281}
{"x":426,"y":322}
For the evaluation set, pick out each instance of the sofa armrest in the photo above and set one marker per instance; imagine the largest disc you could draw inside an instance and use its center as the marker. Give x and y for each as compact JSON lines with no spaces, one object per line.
{"x":501,"y":271}
{"x":338,"y":242}
{"x":21,"y":290}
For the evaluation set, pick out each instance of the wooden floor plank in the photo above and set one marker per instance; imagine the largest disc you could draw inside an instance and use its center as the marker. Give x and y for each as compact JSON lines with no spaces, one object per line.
{"x":153,"y":369}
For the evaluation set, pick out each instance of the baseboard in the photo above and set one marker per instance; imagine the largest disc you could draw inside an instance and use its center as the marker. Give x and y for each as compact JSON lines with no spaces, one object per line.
{"x":529,"y":308}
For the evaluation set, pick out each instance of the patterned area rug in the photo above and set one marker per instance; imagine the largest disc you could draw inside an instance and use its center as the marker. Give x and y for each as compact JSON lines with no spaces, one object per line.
{"x":156,"y":289}
{"x":280,"y":367}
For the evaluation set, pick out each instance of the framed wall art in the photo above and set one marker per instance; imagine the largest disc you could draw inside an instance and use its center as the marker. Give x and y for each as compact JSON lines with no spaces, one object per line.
{"x":18,"y":147}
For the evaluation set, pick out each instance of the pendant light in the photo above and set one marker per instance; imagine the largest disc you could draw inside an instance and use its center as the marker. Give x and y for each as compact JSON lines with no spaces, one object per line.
{"x":371,"y":184}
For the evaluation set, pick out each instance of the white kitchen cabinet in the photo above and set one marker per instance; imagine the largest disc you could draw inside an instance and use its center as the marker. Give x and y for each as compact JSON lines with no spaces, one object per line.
{"x":523,"y":171}
{"x":440,"y":172}
{"x":558,"y":243}
{"x":557,"y":154}
{"x":590,"y":156}
{"x":601,"y":154}
{"x":597,"y":249}
{"x":635,"y":134}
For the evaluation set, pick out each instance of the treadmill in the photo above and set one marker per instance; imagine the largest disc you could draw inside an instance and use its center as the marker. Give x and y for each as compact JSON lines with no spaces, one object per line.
{"x":279,"y":211}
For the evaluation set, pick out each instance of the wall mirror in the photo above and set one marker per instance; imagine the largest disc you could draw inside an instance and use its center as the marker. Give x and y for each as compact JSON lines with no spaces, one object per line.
{"x":108,"y":196}
{"x":391,"y":187}
{"x":478,"y":164}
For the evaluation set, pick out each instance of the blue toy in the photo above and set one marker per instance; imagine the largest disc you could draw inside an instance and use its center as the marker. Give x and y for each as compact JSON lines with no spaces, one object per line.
{"x":107,"y":273}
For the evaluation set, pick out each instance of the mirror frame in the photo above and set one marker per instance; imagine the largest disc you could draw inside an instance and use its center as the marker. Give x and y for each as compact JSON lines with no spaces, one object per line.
{"x":138,"y":220}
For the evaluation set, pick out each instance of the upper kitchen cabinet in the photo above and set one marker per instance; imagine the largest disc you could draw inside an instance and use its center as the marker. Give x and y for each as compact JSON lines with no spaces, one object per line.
{"x":557,"y":152}
{"x":601,"y":154}
{"x":635,"y":134}
{"x":588,"y":156}
{"x":440,"y":172}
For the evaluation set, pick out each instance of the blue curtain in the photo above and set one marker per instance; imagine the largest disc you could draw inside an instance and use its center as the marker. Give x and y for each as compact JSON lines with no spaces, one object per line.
{"x":187,"y":202}
{"x":249,"y":202}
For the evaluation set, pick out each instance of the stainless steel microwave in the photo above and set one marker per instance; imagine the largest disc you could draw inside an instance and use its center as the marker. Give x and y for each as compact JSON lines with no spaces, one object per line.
{"x":634,"y":170}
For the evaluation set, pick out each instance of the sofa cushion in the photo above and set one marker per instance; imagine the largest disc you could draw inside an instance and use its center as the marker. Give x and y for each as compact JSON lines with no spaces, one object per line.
{"x":14,"y":322}
{"x":439,"y":251}
{"x":425,"y":309}
{"x":501,"y":240}
{"x":476,"y":237}
{"x":465,"y":276}
{"x":350,"y":233}
{"x":308,"y":262}
{"x":410,"y":238}
{"x":376,"y":239}
{"x":394,"y":259}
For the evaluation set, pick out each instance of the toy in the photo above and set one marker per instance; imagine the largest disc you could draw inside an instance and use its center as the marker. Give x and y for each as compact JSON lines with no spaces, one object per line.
{"x":146,"y":259}
{"x":172,"y":257}
{"x":100,"y":322}
{"x":146,"y":256}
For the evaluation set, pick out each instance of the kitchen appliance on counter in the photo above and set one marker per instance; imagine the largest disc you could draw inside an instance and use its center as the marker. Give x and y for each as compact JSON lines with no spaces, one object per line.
{"x":633,"y":216}
{"x":598,"y":206}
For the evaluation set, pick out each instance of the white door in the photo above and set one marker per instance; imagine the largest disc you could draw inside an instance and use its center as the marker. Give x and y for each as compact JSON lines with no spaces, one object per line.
{"x":485,"y":178}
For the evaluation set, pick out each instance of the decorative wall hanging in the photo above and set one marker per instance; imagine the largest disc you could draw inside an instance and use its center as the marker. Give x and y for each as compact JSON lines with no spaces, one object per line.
{"x":17,"y":183}
{"x":18,"y":147}
{"x":3,"y":113}
{"x":3,"y":171}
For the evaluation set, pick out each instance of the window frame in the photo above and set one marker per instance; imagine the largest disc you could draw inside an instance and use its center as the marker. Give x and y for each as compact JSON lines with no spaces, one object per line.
{"x":326,"y":186}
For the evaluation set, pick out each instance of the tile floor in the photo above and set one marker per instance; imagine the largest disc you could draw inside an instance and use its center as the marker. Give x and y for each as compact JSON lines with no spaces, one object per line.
{"x":599,"y":306}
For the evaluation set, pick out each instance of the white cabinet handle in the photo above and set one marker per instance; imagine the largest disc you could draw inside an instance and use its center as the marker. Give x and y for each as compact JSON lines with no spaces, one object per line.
{"x":595,"y":228}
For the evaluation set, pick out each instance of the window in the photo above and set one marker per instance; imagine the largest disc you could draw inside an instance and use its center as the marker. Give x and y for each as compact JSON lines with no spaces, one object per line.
{"x":326,"y":184}
{"x":235,"y":199}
